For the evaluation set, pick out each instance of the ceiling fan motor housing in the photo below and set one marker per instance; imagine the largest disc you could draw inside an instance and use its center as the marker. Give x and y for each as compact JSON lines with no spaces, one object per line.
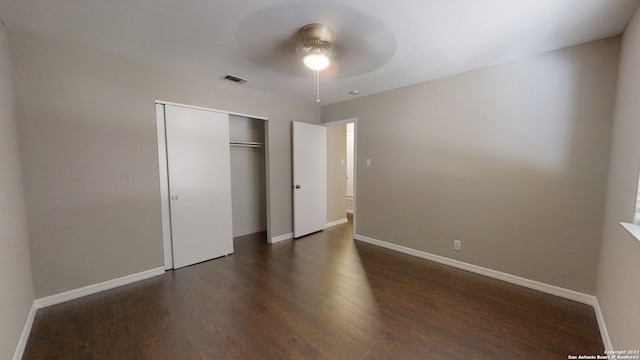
{"x":318,"y":38}
{"x":313,"y":32}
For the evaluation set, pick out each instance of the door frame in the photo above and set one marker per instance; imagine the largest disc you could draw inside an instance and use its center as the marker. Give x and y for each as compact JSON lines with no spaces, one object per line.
{"x":163,"y":172}
{"x":355,"y":168}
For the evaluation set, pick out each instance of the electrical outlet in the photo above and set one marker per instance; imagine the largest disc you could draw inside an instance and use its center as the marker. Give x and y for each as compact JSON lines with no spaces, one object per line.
{"x":457,"y":245}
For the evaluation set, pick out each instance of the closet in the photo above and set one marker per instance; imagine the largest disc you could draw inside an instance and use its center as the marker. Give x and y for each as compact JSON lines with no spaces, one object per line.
{"x":248,"y":180}
{"x":212,"y":181}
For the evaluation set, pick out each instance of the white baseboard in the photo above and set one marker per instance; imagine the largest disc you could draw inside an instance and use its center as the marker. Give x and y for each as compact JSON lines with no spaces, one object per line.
{"x":249,"y":231}
{"x":74,"y":294}
{"x":110,"y":284}
{"x":95,"y":288}
{"x":24,"y":336}
{"x":606,"y":340}
{"x":337,"y":222}
{"x":282,"y":237}
{"x":531,"y":284}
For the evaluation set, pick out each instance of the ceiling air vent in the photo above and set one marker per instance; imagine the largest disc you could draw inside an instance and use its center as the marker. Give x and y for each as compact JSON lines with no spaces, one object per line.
{"x":235,"y":79}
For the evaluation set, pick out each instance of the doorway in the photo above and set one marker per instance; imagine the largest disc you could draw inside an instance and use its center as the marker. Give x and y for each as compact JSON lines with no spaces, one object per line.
{"x":248,"y":175}
{"x":341,"y":172}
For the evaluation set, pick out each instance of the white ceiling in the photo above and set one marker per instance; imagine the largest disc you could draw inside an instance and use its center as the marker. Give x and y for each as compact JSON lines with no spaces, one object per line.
{"x":383,"y":44}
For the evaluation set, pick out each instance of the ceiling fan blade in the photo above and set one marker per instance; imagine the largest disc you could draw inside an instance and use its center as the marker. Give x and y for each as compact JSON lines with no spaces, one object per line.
{"x":364,"y":43}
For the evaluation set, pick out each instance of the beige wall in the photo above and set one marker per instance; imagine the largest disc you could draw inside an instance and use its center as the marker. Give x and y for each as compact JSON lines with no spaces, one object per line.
{"x":510,"y":159}
{"x":618,"y":291}
{"x":336,"y":172}
{"x":16,"y":288}
{"x":87,"y":133}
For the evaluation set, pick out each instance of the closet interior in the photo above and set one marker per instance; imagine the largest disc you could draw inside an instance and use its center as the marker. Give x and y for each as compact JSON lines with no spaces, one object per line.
{"x":248,"y":175}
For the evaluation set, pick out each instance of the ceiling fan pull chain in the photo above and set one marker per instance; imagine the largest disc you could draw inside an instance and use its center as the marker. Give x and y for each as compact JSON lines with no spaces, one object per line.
{"x":316,"y":80}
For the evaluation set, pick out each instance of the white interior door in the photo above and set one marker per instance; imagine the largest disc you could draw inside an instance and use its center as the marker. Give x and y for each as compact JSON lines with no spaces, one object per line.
{"x":198,"y":161}
{"x":308,"y":178}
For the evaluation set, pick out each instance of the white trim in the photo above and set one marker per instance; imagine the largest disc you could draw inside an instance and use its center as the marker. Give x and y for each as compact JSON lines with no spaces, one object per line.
{"x":163,"y":172}
{"x":606,"y":340}
{"x":633,"y":229}
{"x":249,"y":231}
{"x":267,"y":174}
{"x":355,"y":177}
{"x":71,"y":295}
{"x":282,"y":237}
{"x":210,"y":109}
{"x":340,"y":122}
{"x":336,"y":222}
{"x":531,"y":284}
{"x":96,"y":288}
{"x":26,"y":331}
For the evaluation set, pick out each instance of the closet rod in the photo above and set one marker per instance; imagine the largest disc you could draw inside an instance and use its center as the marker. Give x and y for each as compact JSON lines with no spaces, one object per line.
{"x":251,"y":144}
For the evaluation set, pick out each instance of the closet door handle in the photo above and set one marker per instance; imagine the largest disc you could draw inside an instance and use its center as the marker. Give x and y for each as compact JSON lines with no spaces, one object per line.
{"x":174,"y":197}
{"x":298,"y":186}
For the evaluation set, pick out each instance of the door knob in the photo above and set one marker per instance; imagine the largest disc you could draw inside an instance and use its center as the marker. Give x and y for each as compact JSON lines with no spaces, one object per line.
{"x":298,"y":186}
{"x":174,"y":197}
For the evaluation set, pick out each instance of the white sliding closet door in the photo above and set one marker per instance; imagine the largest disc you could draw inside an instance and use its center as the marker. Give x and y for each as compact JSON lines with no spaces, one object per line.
{"x":199,"y":184}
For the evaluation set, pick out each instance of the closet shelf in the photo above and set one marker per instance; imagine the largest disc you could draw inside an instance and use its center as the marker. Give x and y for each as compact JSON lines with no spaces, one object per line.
{"x":251,"y":144}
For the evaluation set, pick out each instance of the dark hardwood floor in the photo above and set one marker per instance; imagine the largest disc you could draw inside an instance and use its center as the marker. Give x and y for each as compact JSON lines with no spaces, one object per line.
{"x":324,"y":296}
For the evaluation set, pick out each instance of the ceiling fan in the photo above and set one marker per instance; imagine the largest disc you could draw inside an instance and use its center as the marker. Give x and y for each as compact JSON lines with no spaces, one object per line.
{"x":348,"y":41}
{"x":317,"y":50}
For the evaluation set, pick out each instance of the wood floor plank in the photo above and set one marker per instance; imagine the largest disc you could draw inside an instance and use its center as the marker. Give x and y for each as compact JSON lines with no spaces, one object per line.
{"x":323,"y":296}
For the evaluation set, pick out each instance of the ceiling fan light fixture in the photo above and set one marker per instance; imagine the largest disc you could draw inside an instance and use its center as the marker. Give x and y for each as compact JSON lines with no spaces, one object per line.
{"x":316,"y":61}
{"x":317,"y":46}
{"x":317,"y":50}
